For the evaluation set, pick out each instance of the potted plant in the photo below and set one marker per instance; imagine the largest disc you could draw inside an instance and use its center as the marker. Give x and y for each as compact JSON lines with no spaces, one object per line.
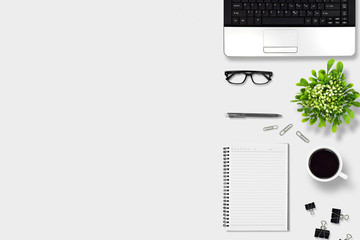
{"x":327,"y":97}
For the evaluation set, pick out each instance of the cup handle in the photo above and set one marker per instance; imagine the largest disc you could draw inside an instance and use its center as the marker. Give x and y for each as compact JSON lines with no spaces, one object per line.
{"x":343,"y":175}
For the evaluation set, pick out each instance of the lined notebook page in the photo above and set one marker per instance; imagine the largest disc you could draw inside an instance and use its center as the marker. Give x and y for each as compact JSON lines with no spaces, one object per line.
{"x":258,"y":188}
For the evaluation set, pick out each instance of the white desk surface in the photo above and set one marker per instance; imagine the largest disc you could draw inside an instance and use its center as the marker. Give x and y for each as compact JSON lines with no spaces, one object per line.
{"x":112,"y":124}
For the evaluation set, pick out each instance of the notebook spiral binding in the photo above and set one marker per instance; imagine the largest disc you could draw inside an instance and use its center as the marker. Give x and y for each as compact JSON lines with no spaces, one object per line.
{"x":226,"y":186}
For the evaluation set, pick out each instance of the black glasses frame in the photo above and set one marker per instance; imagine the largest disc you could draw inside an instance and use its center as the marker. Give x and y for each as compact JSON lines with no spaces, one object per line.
{"x":266,"y":74}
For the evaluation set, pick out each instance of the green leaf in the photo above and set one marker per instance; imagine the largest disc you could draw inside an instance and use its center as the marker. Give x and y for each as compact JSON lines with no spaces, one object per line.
{"x":305,"y":119}
{"x":330,"y":63}
{"x":313,"y":121}
{"x":294,"y":101}
{"x":351,"y":113}
{"x":336,"y":121}
{"x":334,"y":127}
{"x":307,"y":110}
{"x":322,"y":123}
{"x":356,"y":104}
{"x":313,"y":79}
{"x":339,"y":67}
{"x":300,"y":109}
{"x":305,"y":115}
{"x":343,"y":76}
{"x":346,"y":118}
{"x":350,"y":85}
{"x":314,"y":73}
{"x":303,"y":82}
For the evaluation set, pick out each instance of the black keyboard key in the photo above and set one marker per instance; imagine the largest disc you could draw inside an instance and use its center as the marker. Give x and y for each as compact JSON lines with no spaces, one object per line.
{"x":235,"y":21}
{"x":257,"y":21}
{"x":257,"y":13}
{"x":332,"y":6}
{"x":283,"y":21}
{"x":250,"y":13}
{"x":250,"y":21}
{"x":237,"y":5}
{"x":295,"y":13}
{"x":261,"y":6}
{"x":330,"y":13}
{"x":287,"y":13}
{"x":242,"y":21}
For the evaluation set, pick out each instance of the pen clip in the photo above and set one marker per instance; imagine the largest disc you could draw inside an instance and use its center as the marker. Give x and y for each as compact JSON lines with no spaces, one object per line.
{"x":235,"y":115}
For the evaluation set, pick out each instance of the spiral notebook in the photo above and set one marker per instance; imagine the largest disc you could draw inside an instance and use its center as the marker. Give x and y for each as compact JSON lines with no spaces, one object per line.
{"x":256,"y":187}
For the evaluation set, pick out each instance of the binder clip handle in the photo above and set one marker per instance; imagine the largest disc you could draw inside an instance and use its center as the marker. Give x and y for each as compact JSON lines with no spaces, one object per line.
{"x":348,"y":236}
{"x":323,"y":224}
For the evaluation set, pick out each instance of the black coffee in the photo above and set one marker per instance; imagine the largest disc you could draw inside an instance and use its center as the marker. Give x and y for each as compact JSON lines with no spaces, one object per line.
{"x":324,"y":163}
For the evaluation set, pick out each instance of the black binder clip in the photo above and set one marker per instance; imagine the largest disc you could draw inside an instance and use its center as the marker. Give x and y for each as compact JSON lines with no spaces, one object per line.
{"x":310,"y":207}
{"x":322,"y":232}
{"x":348,"y":236}
{"x":336,"y":216}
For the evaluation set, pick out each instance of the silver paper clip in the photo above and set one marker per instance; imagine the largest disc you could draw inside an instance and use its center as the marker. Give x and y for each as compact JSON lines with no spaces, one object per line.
{"x":300,"y":135}
{"x":287,"y":128}
{"x":271,"y":128}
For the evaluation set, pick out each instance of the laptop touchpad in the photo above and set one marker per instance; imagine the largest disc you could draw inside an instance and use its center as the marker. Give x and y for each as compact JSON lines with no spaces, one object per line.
{"x":280,"y":41}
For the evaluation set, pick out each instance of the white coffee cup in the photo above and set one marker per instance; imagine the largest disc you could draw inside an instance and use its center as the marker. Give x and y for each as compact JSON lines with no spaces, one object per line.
{"x":337,"y":174}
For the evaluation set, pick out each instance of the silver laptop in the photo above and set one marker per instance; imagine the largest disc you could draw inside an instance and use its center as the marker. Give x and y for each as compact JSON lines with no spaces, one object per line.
{"x":289,"y":28}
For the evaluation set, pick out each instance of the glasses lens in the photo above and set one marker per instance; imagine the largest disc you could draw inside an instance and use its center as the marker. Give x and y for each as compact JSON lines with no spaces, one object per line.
{"x":259,"y":78}
{"x":238,"y":78}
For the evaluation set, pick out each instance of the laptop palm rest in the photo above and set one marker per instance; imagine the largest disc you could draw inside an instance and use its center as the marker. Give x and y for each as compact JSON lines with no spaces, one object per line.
{"x":280,"y":41}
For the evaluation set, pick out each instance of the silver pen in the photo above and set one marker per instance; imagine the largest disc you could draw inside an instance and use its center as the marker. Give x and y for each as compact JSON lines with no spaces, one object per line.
{"x":253,"y":115}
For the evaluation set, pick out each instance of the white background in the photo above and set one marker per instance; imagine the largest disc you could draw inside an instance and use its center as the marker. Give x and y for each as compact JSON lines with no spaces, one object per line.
{"x":112,"y":124}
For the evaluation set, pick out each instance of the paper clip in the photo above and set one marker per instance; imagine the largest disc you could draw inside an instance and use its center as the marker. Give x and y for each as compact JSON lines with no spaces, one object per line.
{"x":336,"y":216}
{"x":300,"y":135}
{"x":271,"y":128}
{"x":287,"y":128}
{"x":322,"y":232}
{"x":310,"y":207}
{"x":348,"y":236}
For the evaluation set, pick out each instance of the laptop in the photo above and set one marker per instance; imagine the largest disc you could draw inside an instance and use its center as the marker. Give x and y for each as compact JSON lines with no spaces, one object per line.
{"x":270,"y":28}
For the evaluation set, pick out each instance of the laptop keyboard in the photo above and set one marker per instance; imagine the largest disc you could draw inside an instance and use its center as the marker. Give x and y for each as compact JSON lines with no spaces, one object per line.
{"x":289,"y":12}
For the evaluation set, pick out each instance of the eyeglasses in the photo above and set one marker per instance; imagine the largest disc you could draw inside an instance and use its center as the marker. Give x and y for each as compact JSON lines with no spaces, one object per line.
{"x":257,"y":77}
